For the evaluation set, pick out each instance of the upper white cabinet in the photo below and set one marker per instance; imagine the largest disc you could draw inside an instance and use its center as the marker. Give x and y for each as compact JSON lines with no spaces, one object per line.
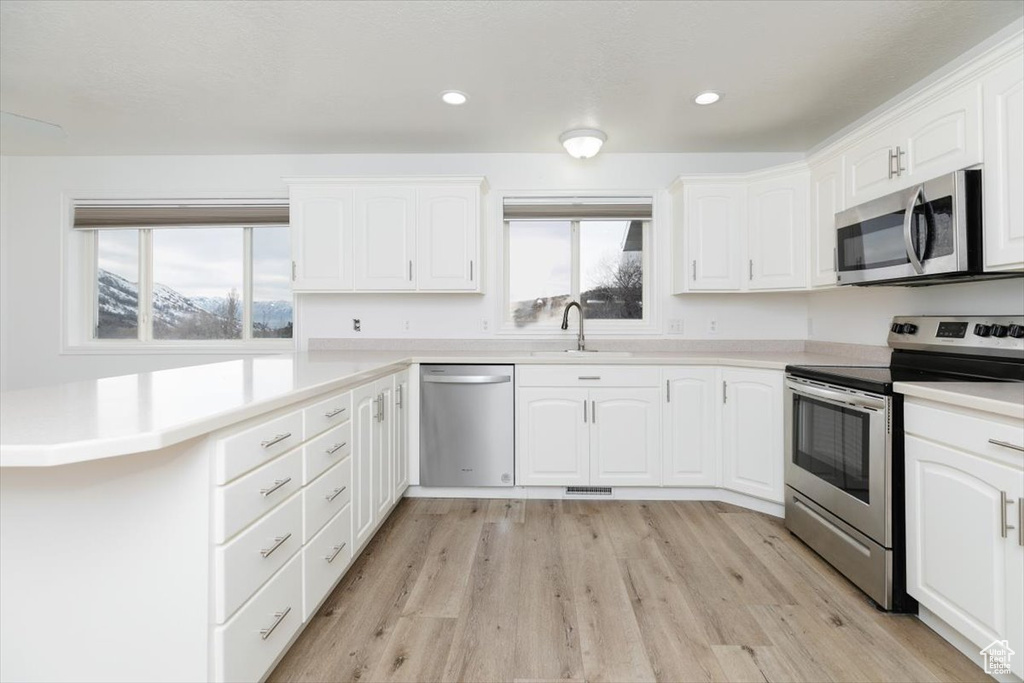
{"x":713,"y":219}
{"x":690,"y":422}
{"x":386,"y":235}
{"x":752,"y":441}
{"x":777,"y":232}
{"x":1004,"y":167}
{"x":826,"y":202}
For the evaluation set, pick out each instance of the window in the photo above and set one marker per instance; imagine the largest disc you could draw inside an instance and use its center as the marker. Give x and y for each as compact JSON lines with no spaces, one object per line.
{"x":593,"y":255}
{"x":165,"y":284}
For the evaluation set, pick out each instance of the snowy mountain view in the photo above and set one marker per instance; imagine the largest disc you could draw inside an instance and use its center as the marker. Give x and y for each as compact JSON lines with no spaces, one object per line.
{"x":176,"y":316}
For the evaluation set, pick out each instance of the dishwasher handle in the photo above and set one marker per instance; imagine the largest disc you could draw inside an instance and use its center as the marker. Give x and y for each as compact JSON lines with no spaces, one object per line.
{"x":467,"y":379}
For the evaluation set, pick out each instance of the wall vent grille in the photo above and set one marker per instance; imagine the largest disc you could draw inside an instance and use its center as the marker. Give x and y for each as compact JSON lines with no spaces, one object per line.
{"x":588,"y":490}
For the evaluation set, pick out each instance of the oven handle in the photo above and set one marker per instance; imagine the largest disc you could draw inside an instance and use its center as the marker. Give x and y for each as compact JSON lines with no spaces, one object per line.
{"x":838,"y":397}
{"x":908,"y":219}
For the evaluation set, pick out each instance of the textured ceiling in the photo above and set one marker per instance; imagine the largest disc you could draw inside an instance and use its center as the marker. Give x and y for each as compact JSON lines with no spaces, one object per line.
{"x":316,"y":77}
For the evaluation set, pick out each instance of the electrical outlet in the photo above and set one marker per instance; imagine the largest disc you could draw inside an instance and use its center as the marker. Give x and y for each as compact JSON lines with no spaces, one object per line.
{"x":675,"y":326}
{"x":357,"y":325}
{"x":407,"y":326}
{"x":485,"y":324}
{"x":712,"y":326}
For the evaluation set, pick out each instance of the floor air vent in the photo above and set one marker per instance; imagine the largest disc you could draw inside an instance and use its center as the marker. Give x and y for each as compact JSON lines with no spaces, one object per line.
{"x":588,"y":490}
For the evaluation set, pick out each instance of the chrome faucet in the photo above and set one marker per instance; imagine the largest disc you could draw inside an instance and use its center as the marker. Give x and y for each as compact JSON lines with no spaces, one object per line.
{"x":581,"y":344}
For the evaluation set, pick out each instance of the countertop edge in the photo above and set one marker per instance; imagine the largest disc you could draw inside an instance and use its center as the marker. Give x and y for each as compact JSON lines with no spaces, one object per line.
{"x":959,"y":399}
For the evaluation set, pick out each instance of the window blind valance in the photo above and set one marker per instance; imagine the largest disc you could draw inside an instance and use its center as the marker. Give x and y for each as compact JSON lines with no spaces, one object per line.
{"x":578,"y":208}
{"x":107,"y":216}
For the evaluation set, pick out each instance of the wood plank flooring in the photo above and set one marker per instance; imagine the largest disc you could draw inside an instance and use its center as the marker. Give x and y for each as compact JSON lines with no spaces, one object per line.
{"x":495,"y":590}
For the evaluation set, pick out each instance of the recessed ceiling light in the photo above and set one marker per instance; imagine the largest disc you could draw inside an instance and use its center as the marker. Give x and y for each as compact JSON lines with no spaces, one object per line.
{"x":709,"y":97}
{"x":454,"y":97}
{"x":582,"y":143}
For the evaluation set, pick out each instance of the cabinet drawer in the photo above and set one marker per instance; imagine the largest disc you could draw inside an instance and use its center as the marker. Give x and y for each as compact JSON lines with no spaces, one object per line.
{"x":324,"y":560}
{"x":322,"y":499}
{"x":241,"y":452}
{"x":246,"y":647}
{"x":587,"y":376}
{"x":326,"y":414}
{"x":326,"y":450}
{"x":244,"y":564}
{"x":246,"y":498}
{"x":965,"y":431}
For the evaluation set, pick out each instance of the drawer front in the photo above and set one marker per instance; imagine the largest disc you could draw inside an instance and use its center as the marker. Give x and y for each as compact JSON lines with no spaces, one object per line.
{"x":965,"y":431}
{"x":326,"y":414}
{"x":587,"y":376}
{"x":324,"y":560}
{"x":323,"y":498}
{"x":239,"y":453}
{"x":247,"y":646}
{"x":236,"y":505}
{"x":326,"y":450}
{"x":245,"y":563}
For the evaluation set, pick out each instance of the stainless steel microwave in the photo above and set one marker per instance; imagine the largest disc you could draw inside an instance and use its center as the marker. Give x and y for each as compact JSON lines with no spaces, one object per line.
{"x":926,"y":234}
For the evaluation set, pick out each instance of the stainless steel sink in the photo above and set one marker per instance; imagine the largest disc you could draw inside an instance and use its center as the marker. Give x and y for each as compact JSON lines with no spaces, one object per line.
{"x":573,"y":353}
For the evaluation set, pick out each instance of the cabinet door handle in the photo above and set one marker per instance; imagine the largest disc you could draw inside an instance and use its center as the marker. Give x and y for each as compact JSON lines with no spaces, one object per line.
{"x":693,"y":271}
{"x":750,"y":270}
{"x":410,"y":271}
{"x":1006,"y":444}
{"x":892,"y":158}
{"x":668,"y":392}
{"x":293,"y":271}
{"x":584,"y":412}
{"x":589,"y":377}
{"x":835,"y":259}
{"x":278,"y":542}
{"x":1020,"y":521}
{"x":725,"y":391}
{"x":900,"y":168}
{"x":337,"y":549}
{"x":593,"y":412}
{"x":334,"y":494}
{"x":335,"y":448}
{"x":1004,"y":525}
{"x":471,"y":270}
{"x":336,"y":411}
{"x":275,"y":486}
{"x":278,"y":618}
{"x":276,"y":440}
{"x":398,"y":396}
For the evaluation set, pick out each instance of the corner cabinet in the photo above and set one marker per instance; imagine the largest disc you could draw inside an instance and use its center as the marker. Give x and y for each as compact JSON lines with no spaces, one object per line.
{"x":752,"y":428}
{"x":386,"y":234}
{"x":690,"y":427}
{"x":826,"y":201}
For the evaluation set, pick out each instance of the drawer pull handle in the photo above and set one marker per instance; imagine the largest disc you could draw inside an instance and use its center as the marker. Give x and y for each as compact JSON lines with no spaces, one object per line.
{"x":336,"y":411}
{"x":589,"y":377}
{"x":277,"y":439}
{"x":335,"y":448}
{"x":278,"y":483}
{"x":337,"y":549}
{"x":278,"y":618}
{"x":1006,"y":444}
{"x":278,"y":542}
{"x":334,"y":494}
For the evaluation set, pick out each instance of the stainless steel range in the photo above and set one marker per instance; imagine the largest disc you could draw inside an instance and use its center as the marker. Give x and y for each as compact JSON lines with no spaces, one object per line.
{"x":844,"y":441}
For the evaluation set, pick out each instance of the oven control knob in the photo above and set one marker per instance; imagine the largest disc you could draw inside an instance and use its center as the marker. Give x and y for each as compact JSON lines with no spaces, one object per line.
{"x":999,"y":331}
{"x":897,"y":328}
{"x":909,"y":328}
{"x":982,"y":330}
{"x":1016,"y":331}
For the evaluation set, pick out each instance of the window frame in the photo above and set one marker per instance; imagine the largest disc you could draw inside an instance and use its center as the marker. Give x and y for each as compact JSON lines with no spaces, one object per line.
{"x":594,"y":326}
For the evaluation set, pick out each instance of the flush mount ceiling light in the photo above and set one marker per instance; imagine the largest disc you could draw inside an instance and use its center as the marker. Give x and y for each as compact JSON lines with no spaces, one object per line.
{"x":582,"y":143}
{"x":709,"y":97}
{"x":454,"y":97}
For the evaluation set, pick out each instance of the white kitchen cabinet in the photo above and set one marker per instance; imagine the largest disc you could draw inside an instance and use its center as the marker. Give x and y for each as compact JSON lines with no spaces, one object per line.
{"x":870,"y":168}
{"x":625,"y":445}
{"x":384,"y":448}
{"x":1004,"y":167}
{"x":385,"y":238}
{"x":826,"y":202}
{"x":448,"y":228}
{"x":321,"y":225}
{"x":713,"y":225}
{"x":752,"y":441}
{"x":364,"y":431}
{"x":553,"y":436}
{"x":777,"y":209}
{"x":400,"y":467}
{"x":690,"y":427}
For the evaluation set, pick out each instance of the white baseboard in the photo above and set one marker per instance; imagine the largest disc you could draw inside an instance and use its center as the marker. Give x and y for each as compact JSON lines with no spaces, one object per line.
{"x":618,"y":493}
{"x":970,"y":650}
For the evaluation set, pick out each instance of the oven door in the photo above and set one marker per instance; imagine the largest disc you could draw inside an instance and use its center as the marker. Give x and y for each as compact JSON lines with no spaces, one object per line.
{"x":920,"y":232}
{"x":838,"y":453}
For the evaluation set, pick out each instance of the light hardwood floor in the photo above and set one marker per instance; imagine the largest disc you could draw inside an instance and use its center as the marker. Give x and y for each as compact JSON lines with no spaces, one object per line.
{"x":494,"y":590}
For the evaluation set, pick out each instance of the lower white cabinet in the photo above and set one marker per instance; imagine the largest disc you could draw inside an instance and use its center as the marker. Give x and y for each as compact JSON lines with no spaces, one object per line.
{"x":690,"y":427}
{"x":364,"y":429}
{"x":383,"y":449}
{"x":752,"y":440}
{"x":400,"y":468}
{"x":625,"y":443}
{"x":553,"y":436}
{"x":324,"y":560}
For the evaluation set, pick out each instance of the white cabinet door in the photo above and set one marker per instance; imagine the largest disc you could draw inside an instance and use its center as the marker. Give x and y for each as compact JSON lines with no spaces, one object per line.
{"x":364,"y":429}
{"x":826,"y":202}
{"x":448,"y":223}
{"x":869,"y":170}
{"x":752,"y":448}
{"x":1004,"y":168}
{"x":777,"y":232}
{"x":625,"y":437}
{"x":400,"y":469}
{"x":384,"y":447}
{"x":553,"y":437}
{"x":943,"y":137}
{"x":385,"y":238}
{"x":690,"y":426}
{"x":959,"y":565}
{"x":714,"y":218}
{"x":322,"y":238}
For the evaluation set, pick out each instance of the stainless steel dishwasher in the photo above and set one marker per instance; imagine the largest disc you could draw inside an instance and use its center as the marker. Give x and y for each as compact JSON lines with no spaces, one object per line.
{"x":467,"y":435}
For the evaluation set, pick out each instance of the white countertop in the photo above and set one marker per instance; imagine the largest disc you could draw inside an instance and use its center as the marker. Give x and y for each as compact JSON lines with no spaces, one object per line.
{"x":115,"y":416}
{"x":1001,"y":398}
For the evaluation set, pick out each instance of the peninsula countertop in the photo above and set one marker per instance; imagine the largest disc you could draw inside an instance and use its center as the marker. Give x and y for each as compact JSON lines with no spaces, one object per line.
{"x":115,"y":416}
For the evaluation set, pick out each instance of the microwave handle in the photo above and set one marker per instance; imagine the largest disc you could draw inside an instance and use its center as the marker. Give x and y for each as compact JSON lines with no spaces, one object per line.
{"x":908,"y":219}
